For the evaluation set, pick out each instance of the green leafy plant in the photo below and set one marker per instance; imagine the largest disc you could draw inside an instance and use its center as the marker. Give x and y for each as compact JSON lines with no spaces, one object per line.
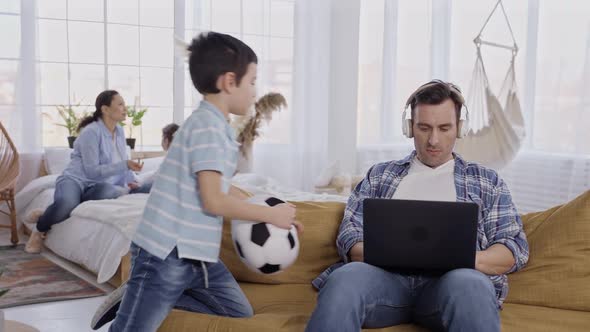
{"x":135,"y":117}
{"x":70,"y":118}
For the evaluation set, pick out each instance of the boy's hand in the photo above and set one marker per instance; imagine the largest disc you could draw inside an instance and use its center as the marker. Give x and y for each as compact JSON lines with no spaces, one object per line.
{"x":282,"y":215}
{"x":216,"y":202}
{"x":299,"y":227}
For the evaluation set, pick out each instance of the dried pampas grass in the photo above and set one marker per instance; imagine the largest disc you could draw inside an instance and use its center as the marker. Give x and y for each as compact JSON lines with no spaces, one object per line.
{"x":247,"y":127}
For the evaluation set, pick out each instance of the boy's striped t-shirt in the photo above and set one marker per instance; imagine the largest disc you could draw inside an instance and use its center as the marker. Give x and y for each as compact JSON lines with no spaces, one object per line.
{"x":173,"y":215}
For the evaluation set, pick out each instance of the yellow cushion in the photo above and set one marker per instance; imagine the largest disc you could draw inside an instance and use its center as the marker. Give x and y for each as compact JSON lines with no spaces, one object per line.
{"x":558,"y":272}
{"x":317,"y":246}
{"x":528,"y":318}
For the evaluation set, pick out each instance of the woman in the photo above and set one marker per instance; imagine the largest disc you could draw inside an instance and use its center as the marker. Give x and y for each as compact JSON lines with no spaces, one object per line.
{"x":99,"y":167}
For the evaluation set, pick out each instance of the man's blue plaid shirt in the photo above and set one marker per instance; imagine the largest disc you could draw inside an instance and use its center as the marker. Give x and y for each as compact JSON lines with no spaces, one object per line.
{"x":498,"y":220}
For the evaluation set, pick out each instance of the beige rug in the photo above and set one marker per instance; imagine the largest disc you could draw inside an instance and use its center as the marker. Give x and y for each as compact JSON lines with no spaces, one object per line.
{"x":32,"y":278}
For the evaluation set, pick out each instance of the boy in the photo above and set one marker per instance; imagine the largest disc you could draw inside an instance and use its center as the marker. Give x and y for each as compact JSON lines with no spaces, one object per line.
{"x":176,"y":248}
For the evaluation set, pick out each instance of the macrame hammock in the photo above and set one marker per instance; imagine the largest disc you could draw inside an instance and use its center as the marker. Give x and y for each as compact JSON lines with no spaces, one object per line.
{"x":496,"y":132}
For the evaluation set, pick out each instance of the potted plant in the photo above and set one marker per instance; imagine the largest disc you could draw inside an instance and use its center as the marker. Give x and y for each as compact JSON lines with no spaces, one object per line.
{"x":71,"y":121}
{"x":135,"y":117}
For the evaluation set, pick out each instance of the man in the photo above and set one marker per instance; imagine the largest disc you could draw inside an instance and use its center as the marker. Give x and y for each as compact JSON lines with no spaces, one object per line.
{"x":355,"y":295}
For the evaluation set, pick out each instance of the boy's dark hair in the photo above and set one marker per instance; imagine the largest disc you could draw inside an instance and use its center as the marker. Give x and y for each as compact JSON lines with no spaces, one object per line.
{"x":169,"y":131}
{"x":436,"y":92}
{"x":213,"y":54}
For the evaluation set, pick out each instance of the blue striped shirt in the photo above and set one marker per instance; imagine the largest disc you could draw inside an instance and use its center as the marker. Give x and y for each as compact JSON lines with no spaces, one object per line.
{"x":498,"y":220}
{"x":173,"y":216}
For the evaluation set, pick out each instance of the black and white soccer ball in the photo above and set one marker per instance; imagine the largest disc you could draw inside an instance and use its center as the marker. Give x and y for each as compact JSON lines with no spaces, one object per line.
{"x":263,"y":247}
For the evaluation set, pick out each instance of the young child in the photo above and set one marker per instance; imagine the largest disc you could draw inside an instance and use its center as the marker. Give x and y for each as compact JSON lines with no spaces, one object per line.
{"x":175,"y":252}
{"x":168,"y":135}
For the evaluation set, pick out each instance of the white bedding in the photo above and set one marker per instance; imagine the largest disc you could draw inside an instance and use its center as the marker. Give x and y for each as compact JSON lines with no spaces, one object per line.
{"x":261,"y":185}
{"x":93,"y":245}
{"x":98,"y":233}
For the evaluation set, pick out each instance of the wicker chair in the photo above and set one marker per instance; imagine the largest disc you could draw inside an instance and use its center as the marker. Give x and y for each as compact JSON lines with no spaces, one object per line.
{"x":9,"y":171}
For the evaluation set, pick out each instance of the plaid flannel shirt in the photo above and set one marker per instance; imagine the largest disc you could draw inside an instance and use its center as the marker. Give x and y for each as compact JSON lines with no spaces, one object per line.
{"x":498,"y":220}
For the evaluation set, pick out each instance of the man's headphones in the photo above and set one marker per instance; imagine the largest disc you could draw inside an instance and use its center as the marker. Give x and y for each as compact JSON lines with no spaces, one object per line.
{"x":462,"y":126}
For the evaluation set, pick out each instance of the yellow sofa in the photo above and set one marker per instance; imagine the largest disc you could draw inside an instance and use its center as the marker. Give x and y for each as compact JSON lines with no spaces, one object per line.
{"x":551,"y":294}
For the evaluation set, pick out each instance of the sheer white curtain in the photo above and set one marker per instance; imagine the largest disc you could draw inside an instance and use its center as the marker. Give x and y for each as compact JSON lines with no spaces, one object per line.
{"x":24,"y":120}
{"x":395,"y":57}
{"x":311,"y":83}
{"x":18,"y":75}
{"x":323,"y":112}
{"x":561,"y":116}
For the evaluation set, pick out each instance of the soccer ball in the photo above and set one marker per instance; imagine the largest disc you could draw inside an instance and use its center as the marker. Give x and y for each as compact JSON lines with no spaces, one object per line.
{"x":263,"y":247}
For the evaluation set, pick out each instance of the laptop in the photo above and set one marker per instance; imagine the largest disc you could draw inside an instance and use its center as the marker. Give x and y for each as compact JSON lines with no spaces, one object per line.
{"x":419,"y":237}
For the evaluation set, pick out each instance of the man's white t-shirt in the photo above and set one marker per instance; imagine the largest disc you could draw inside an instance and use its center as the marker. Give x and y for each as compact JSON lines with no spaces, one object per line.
{"x":428,"y":184}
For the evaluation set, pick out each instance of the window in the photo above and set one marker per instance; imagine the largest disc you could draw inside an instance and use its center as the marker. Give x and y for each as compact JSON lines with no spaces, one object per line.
{"x":128,"y":45}
{"x":82,"y":52}
{"x":267,"y":27}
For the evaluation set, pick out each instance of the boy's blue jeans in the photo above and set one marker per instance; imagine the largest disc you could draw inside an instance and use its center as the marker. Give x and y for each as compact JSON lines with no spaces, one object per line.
{"x":155,"y":286}
{"x":68,"y":195}
{"x":358,"y":294}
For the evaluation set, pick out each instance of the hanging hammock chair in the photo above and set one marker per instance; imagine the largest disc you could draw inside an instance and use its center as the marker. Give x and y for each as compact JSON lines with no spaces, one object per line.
{"x":497,"y":131}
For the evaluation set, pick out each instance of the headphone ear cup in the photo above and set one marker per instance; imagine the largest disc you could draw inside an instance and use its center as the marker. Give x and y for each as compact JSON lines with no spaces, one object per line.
{"x":409,"y":130}
{"x":406,"y":125}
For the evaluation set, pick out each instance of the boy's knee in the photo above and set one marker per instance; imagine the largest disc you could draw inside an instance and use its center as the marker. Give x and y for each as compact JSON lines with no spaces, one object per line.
{"x":245,"y":311}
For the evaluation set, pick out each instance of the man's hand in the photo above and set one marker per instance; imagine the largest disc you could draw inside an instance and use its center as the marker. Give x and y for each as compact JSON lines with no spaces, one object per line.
{"x":133,"y":185}
{"x":357,"y":252}
{"x":495,"y":260}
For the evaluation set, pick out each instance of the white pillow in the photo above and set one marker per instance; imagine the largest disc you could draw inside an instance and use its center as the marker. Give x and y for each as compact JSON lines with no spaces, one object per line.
{"x":57,"y":159}
{"x":144,"y":177}
{"x":151,"y":165}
